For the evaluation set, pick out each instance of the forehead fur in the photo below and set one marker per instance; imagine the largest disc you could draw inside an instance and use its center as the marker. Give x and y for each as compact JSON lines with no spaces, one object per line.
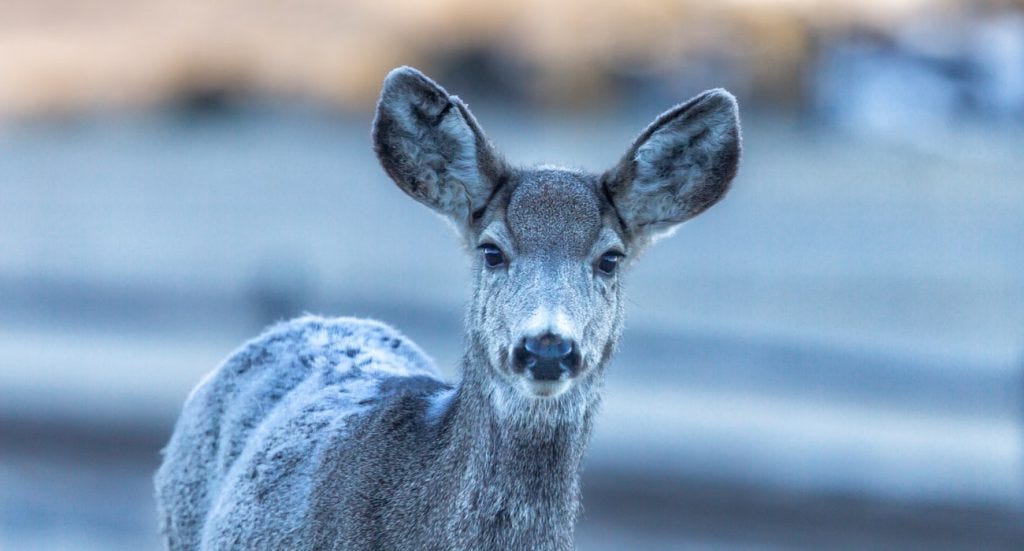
{"x":554,"y":209}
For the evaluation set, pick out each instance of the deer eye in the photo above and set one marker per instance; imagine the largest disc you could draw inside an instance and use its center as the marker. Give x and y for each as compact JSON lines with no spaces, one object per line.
{"x":608,"y":262}
{"x":493,"y":256}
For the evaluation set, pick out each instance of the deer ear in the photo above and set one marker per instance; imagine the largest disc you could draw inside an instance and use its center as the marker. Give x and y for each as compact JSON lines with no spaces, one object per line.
{"x":431,"y":146}
{"x":679,"y":166}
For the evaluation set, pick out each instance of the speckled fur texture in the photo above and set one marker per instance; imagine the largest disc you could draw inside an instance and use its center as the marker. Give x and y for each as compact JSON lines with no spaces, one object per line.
{"x":339,"y":434}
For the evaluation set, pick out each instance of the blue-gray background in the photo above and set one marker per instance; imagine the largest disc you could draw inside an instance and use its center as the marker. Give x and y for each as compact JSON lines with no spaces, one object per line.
{"x":831,"y":356}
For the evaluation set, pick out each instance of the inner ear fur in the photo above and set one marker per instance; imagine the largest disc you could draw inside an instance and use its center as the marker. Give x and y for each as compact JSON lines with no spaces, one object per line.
{"x":680,"y":165}
{"x":430,"y":144}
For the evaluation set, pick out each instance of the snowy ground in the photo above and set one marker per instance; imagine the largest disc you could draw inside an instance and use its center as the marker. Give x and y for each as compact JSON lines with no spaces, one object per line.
{"x":832,"y":355}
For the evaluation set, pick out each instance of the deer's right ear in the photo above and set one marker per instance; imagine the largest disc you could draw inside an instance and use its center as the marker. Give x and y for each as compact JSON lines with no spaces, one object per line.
{"x":431,"y":146}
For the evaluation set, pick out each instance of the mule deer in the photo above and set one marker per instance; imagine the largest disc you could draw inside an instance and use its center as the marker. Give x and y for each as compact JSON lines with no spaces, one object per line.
{"x":338,"y":434}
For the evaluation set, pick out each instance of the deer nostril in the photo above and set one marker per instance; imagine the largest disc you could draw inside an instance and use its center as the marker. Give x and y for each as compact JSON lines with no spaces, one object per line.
{"x":522,"y":359}
{"x":547,"y":357}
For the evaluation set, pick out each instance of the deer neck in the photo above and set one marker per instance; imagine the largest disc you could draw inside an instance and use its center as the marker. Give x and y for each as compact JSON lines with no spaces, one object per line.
{"x":517,"y":459}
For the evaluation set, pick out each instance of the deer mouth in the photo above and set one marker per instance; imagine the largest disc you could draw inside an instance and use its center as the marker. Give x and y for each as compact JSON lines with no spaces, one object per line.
{"x":545,"y":389}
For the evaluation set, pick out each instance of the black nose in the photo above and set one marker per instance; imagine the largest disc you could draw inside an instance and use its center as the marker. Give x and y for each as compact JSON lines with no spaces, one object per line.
{"x":546,"y":357}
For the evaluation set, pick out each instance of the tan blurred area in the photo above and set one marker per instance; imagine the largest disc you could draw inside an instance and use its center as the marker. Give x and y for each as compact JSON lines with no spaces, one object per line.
{"x":68,"y":55}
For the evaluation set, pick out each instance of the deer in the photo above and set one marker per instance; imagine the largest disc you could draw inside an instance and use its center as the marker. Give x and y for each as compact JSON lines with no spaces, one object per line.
{"x":339,"y":433}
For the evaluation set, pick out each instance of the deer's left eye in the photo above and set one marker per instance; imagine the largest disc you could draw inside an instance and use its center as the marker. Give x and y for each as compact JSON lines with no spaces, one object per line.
{"x":608,"y":262}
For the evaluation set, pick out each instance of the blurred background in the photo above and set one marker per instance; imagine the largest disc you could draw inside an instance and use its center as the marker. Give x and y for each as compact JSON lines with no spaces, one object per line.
{"x":831,"y":357}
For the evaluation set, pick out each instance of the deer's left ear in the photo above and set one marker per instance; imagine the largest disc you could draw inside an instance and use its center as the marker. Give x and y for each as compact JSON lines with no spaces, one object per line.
{"x":679,"y":166}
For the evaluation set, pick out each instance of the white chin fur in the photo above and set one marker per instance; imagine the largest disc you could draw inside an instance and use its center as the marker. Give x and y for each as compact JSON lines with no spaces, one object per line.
{"x":544,"y":389}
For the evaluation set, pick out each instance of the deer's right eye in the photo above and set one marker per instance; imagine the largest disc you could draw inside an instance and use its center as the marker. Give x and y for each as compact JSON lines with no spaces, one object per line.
{"x":493,"y":256}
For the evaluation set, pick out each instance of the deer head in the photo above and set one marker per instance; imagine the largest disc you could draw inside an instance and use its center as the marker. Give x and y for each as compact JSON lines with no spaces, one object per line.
{"x":550,"y":244}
